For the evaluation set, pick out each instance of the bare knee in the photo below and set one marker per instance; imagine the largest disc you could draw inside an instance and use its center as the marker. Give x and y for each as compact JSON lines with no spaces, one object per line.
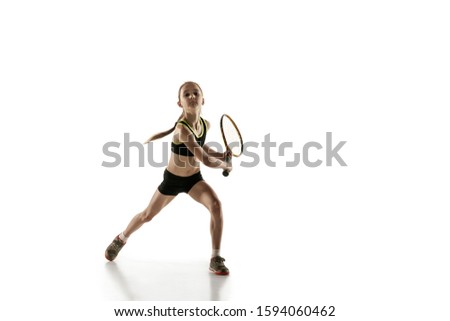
{"x":146,"y":216}
{"x":215,"y":207}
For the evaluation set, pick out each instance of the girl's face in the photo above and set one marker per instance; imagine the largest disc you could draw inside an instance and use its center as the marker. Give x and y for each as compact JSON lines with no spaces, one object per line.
{"x":191,"y":96}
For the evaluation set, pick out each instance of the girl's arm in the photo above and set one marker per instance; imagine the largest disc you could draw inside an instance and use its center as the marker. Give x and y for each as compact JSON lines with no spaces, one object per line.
{"x":212,"y":152}
{"x":186,"y":137}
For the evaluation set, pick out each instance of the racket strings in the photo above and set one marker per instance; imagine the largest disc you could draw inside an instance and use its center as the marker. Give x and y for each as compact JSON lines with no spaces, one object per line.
{"x":232,"y":137}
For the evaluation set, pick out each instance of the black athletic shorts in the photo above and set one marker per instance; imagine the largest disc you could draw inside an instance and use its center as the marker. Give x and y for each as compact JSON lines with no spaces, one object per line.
{"x":173,"y":184}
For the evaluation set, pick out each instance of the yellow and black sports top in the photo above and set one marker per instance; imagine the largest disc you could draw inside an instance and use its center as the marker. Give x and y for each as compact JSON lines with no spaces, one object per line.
{"x":181,"y":148}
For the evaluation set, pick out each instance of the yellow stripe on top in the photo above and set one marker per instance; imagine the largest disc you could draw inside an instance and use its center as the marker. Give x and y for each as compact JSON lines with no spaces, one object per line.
{"x":192,"y":130}
{"x":181,"y":149}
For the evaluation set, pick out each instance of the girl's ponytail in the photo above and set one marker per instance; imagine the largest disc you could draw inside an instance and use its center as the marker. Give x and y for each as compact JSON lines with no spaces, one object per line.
{"x":165,"y":133}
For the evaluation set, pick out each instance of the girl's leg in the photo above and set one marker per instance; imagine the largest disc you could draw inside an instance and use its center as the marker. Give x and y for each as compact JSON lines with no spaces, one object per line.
{"x":204,"y":194}
{"x":157,"y":203}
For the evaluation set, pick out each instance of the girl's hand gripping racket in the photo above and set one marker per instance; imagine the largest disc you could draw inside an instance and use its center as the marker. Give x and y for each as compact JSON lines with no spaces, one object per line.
{"x":231,"y":138}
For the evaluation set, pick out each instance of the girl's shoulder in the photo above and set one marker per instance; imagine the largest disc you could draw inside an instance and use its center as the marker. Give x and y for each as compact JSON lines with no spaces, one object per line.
{"x":207,"y":123}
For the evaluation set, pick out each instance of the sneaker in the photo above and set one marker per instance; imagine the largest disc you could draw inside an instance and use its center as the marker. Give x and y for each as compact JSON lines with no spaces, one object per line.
{"x":217,"y":267}
{"x":114,"y":248}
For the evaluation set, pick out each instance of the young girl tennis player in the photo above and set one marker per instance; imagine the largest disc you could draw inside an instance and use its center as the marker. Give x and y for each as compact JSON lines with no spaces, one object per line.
{"x":182,"y":174}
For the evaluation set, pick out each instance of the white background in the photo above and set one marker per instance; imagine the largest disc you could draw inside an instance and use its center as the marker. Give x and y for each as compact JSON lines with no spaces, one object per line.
{"x":370,"y":238}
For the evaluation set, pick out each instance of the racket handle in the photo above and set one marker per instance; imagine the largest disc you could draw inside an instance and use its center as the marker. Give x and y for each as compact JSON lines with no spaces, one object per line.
{"x":227,"y":159}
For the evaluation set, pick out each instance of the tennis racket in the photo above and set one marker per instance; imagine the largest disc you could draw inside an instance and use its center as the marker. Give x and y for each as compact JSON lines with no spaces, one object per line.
{"x":231,"y":138}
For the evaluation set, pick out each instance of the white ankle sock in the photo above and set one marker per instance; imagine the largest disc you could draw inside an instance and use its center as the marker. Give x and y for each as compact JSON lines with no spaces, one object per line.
{"x":215,"y":252}
{"x":123,"y":237}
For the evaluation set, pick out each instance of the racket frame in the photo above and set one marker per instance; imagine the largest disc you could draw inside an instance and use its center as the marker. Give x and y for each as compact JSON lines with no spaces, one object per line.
{"x":225,"y":139}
